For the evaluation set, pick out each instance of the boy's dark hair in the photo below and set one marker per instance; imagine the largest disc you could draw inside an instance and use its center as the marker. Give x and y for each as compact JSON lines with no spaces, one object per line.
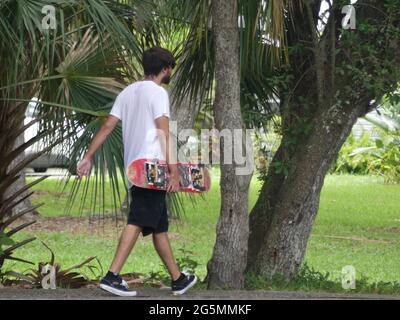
{"x":155,"y":59}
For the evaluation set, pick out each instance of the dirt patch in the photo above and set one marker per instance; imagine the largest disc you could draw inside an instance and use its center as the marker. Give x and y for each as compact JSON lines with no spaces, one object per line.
{"x":393,"y":230}
{"x":39,"y":193}
{"x":104,"y":227}
{"x":134,"y":280}
{"x":362,"y":239}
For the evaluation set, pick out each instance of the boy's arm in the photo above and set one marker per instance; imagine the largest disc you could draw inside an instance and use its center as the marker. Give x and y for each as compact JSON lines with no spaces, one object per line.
{"x":84,"y":166}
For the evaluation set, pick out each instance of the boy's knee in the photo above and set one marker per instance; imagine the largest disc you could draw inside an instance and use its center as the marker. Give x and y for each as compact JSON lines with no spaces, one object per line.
{"x":134,"y":227}
{"x":160,"y":235}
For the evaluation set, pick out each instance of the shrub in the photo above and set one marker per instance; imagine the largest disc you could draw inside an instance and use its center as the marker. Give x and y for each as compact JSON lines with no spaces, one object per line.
{"x":361,"y":163}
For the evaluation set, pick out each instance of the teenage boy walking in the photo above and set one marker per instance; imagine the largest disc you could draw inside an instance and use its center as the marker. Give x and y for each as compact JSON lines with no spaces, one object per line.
{"x":143,"y":108}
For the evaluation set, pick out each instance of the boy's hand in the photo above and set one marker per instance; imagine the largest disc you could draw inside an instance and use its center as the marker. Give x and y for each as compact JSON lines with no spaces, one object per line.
{"x":83,"y":168}
{"x":174,"y":181}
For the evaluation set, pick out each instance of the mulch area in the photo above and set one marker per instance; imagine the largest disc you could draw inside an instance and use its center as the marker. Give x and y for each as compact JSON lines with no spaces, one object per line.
{"x":107,"y":226}
{"x":135,"y":280}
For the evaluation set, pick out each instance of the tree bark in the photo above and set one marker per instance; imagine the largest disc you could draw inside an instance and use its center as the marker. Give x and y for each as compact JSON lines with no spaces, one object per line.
{"x":228,"y":262}
{"x":12,"y":118}
{"x":280,"y":228}
{"x":184,"y":110}
{"x":19,"y":184}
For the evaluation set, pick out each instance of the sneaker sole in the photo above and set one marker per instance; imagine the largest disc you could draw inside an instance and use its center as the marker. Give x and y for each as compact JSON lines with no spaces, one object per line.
{"x":118,"y":292}
{"x":176,"y":293}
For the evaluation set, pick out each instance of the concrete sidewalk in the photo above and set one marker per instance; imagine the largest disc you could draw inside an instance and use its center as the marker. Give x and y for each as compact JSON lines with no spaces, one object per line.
{"x":165,"y":294}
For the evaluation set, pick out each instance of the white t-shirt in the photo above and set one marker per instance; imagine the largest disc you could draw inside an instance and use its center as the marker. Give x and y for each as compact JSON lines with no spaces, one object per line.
{"x":137,"y":106}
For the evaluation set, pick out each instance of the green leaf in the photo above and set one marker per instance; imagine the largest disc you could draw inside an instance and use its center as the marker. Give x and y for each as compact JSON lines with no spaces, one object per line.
{"x":5,"y":240}
{"x":379,"y":143}
{"x":361,"y":150}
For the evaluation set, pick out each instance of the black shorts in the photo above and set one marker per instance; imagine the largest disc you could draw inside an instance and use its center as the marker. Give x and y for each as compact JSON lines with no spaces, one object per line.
{"x":148,"y":210}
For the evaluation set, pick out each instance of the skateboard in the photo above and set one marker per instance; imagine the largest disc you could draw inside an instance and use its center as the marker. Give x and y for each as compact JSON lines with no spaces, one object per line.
{"x":153,"y":174}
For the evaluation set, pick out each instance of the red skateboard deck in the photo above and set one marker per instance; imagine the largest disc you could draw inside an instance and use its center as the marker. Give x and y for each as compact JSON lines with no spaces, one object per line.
{"x":153,"y":174}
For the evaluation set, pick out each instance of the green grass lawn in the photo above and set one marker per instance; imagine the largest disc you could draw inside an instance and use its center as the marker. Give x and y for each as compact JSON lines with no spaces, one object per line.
{"x":358,"y":224}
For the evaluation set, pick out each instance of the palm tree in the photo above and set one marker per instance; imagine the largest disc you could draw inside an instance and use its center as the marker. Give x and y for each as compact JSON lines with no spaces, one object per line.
{"x":76,"y":70}
{"x":387,"y":146}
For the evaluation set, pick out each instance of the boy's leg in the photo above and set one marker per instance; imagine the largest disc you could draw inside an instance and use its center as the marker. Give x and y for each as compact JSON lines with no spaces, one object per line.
{"x":163,"y":248}
{"x":128,"y":239}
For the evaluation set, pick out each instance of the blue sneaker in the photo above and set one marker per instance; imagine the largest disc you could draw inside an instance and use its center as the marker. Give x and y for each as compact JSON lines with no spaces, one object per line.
{"x":117,"y":286}
{"x":184,"y":283}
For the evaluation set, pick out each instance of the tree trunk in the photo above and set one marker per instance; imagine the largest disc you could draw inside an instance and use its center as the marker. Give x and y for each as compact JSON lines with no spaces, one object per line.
{"x":228,"y":262}
{"x":19,"y":184}
{"x":184,"y":111}
{"x":280,"y":228}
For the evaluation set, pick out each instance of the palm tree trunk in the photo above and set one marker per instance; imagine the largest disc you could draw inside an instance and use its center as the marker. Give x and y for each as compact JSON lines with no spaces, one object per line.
{"x":19,"y":184}
{"x":185,"y":110}
{"x":11,"y":120}
{"x":228,"y":262}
